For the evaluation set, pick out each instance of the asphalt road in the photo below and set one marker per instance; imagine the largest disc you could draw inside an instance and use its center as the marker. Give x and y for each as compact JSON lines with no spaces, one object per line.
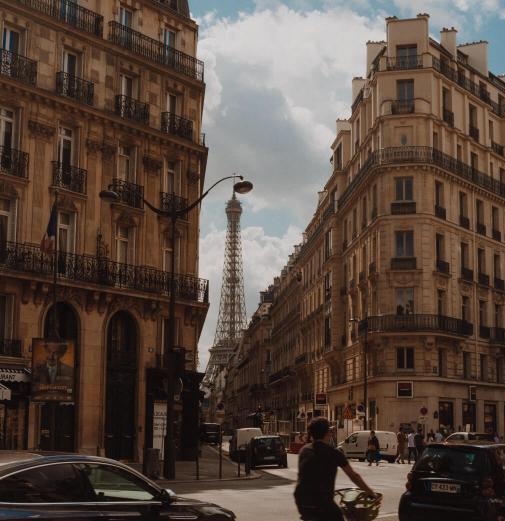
{"x":270,"y":498}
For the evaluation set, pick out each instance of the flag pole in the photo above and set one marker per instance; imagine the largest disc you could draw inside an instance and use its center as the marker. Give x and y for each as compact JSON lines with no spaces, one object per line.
{"x":54,"y":332}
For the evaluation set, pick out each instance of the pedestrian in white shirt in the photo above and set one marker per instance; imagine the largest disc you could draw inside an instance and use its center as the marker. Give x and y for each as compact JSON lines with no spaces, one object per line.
{"x":438,"y":436}
{"x":412,"y":446}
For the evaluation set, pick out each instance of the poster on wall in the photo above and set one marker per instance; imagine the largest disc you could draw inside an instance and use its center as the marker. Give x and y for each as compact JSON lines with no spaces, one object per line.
{"x":52,"y":370}
{"x":159,"y":426}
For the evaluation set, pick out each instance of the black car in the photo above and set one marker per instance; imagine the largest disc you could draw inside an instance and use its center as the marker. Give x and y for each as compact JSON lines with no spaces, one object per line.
{"x":210,"y":432}
{"x":78,"y":487}
{"x":460,"y":482}
{"x":268,"y":450}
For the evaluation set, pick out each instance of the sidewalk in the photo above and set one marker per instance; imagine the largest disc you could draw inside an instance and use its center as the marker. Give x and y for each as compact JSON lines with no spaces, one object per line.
{"x":185,"y":471}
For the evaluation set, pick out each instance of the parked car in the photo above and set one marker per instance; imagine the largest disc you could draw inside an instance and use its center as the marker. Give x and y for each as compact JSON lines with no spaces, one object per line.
{"x":356,"y":445}
{"x":464,"y":482}
{"x":268,"y":450}
{"x":210,"y":432}
{"x":469,"y":436}
{"x":239,"y":441}
{"x":49,"y":486}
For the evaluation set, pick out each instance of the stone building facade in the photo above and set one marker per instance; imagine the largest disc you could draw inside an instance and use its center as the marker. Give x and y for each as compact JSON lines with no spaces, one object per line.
{"x":404,"y":257}
{"x":95,"y":95}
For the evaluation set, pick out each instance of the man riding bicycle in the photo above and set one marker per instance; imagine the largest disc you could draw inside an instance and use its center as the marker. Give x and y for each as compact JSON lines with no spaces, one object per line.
{"x":317,"y":469}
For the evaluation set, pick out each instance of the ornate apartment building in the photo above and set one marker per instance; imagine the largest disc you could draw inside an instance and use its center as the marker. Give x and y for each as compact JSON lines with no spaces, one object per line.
{"x":404,"y":258}
{"x":97,"y":94}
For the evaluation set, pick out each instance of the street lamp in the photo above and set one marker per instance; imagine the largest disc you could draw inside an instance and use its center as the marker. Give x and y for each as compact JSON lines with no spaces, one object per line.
{"x":173,"y":213}
{"x":365,"y":363}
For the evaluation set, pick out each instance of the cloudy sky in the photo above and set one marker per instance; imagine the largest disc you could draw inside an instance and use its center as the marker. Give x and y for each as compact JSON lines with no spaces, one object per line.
{"x":278,"y":74}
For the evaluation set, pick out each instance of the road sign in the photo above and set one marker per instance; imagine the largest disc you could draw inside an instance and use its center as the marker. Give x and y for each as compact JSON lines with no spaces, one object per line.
{"x":360,"y":410}
{"x":423,"y":411}
{"x":347,"y":414}
{"x":320,"y":399}
{"x":422,"y":419}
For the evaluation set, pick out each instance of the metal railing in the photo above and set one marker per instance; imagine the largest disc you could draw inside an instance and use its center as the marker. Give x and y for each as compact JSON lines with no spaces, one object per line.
{"x":10,"y":347}
{"x":464,"y":221}
{"x":497,"y":148}
{"x":496,"y":234}
{"x":18,"y":67}
{"x":13,"y":162}
{"x":414,"y":323}
{"x":397,"y":63}
{"x":173,"y":124}
{"x":28,"y":258}
{"x":133,"y":109}
{"x":440,"y":212}
{"x":156,"y":51}
{"x":443,"y":266}
{"x":420,"y":154}
{"x":403,"y":207}
{"x":480,"y":228}
{"x":403,"y":263}
{"x":129,"y":193}
{"x":448,"y":117}
{"x":497,"y":335}
{"x":474,"y":132}
{"x":69,"y":12}
{"x":467,"y":274}
{"x":483,"y":279}
{"x":499,"y":284}
{"x":76,"y":88}
{"x":69,"y":177}
{"x":171,"y":202}
{"x":403,"y":106}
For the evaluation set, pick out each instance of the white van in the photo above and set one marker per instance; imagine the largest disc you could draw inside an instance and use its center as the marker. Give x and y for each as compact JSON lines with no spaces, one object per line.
{"x":239,"y":441}
{"x":356,"y":445}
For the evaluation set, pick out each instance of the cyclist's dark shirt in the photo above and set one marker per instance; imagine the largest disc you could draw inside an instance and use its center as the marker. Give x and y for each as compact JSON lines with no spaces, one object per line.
{"x":317,"y":470}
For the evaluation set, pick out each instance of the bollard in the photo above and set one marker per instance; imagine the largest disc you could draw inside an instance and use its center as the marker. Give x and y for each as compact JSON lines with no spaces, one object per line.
{"x":238,"y":462}
{"x":220,"y":453}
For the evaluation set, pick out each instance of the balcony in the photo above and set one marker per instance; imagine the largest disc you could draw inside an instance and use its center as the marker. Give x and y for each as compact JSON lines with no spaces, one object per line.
{"x":27,"y":258}
{"x":443,"y":267}
{"x":483,"y":279}
{"x":69,"y":12}
{"x":18,"y":67}
{"x":155,"y":51}
{"x":481,"y":228}
{"x":403,"y":208}
{"x":9,"y":347}
{"x":416,"y":323}
{"x":404,"y":62}
{"x":403,"y":263}
{"x":474,"y":133}
{"x":496,"y":235}
{"x":497,"y":149}
{"x":440,"y":212}
{"x":497,"y":335}
{"x":372,"y":268}
{"x":172,"y":124}
{"x":76,"y":88}
{"x":172,"y":202}
{"x":484,"y":331}
{"x":69,"y":177}
{"x":467,"y":274}
{"x":13,"y":162}
{"x":448,"y":116}
{"x":132,"y":109}
{"x":403,"y":106}
{"x":130,"y":194}
{"x":464,"y":222}
{"x":499,"y":284}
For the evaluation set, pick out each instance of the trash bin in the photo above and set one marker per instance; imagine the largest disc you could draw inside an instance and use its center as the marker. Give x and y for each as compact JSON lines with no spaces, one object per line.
{"x":152,"y":463}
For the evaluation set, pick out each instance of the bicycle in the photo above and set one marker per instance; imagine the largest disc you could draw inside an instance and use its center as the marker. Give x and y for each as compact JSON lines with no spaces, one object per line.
{"x":357,"y":505}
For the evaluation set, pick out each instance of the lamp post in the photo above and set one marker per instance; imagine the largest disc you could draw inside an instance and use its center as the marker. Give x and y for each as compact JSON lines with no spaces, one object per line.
{"x":365,"y":364}
{"x":173,"y":213}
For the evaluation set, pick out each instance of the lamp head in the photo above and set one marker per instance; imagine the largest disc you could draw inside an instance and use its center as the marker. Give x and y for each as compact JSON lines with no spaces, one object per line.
{"x":242,"y":187}
{"x":109,"y":195}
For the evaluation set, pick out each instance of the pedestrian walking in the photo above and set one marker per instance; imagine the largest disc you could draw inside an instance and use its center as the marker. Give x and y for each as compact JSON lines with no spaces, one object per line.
{"x":373,"y":449}
{"x":419,"y":442}
{"x":412,"y":446}
{"x":439,"y":436}
{"x":317,"y":469}
{"x":400,"y":448}
{"x":430,"y":436}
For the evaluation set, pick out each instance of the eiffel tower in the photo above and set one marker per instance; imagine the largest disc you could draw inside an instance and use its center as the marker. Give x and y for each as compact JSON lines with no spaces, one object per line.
{"x":232,"y":313}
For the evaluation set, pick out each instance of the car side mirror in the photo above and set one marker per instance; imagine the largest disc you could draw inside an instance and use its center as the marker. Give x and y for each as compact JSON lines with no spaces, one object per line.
{"x":167,"y":496}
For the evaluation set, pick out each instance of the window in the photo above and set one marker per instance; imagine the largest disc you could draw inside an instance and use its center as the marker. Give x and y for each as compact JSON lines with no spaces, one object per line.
{"x":404,"y":242}
{"x":364,"y":213}
{"x":126,"y":84}
{"x":435,"y":141}
{"x":11,"y":40}
{"x":491,"y":130}
{"x":405,"y":90}
{"x":71,"y":63}
{"x":483,"y":368}
{"x":7,"y":221}
{"x":328,"y":244}
{"x":473,"y":115}
{"x":66,"y":232}
{"x":405,"y":358}
{"x":499,"y":370}
{"x":498,"y":315}
{"x":172,"y":178}
{"x":465,"y":309}
{"x":439,"y":194}
{"x":482,"y":313}
{"x":338,"y":157}
{"x":502,"y":175}
{"x":404,"y":188}
{"x":497,"y":266}
{"x":327,"y":331}
{"x":6,"y":316}
{"x":406,"y":55}
{"x":6,"y":129}
{"x":464,"y":255}
{"x":354,"y":222}
{"x":65,"y":146}
{"x":439,"y":246}
{"x":125,"y":17}
{"x":467,"y":365}
{"x":495,"y":216}
{"x":374,"y":201}
{"x":441,"y":302}
{"x":167,"y":253}
{"x":404,"y":299}
{"x":446,"y":99}
{"x":463,"y":204}
{"x":47,"y":484}
{"x":459,"y":152}
{"x":126,"y":164}
{"x":474,"y":160}
{"x":169,"y":38}
{"x":442,"y":362}
{"x":481,"y":260}
{"x":123,"y":244}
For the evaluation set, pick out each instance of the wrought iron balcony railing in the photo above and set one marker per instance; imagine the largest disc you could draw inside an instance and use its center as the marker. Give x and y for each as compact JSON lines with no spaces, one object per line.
{"x":497,"y":335}
{"x":69,"y":177}
{"x":483,"y":279}
{"x":496,"y":234}
{"x":449,"y":117}
{"x":481,"y":228}
{"x":419,"y":154}
{"x":133,"y":109}
{"x":405,"y":106}
{"x":464,"y":221}
{"x":467,"y":274}
{"x":18,"y":67}
{"x":499,"y":284}
{"x":69,"y":12}
{"x":440,"y":211}
{"x":10,"y":347}
{"x":497,"y":148}
{"x":27,"y":258}
{"x":443,"y":266}
{"x":76,"y":88}
{"x":173,"y":124}
{"x":484,"y":331}
{"x":415,"y":323}
{"x":403,"y":207}
{"x":156,"y":51}
{"x":129,"y":193}
{"x":13,"y":162}
{"x":474,"y":132}
{"x":171,"y":202}
{"x":403,"y":263}
{"x":404,"y":62}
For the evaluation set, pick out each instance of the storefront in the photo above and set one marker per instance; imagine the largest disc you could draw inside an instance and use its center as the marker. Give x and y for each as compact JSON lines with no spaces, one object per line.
{"x":14,"y":394}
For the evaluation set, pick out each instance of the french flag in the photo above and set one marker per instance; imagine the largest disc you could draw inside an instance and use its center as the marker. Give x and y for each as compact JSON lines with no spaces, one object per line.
{"x":49,"y":240}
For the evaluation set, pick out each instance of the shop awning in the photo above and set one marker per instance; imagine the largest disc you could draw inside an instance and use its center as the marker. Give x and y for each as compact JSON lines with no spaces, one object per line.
{"x":14,"y":374}
{"x":5,"y":393}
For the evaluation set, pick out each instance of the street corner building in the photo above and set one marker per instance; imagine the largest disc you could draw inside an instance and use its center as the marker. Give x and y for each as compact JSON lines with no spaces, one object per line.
{"x":98,"y":95}
{"x":394,"y":301}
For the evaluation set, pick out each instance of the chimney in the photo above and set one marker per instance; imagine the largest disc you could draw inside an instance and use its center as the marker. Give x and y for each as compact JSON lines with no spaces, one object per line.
{"x":448,"y":40}
{"x":372,"y":51}
{"x":357,"y":85}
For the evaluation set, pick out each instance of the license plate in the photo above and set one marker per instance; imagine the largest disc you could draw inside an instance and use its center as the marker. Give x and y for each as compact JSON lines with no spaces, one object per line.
{"x":448,"y":488}
{"x":269,"y":458}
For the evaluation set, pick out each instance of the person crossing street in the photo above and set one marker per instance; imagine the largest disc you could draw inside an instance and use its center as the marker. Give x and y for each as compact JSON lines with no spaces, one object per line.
{"x":412,"y":446}
{"x":400,"y":450}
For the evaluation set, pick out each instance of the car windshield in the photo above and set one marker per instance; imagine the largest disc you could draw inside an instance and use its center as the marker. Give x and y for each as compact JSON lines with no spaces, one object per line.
{"x":273,"y":443}
{"x":448,"y":460}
